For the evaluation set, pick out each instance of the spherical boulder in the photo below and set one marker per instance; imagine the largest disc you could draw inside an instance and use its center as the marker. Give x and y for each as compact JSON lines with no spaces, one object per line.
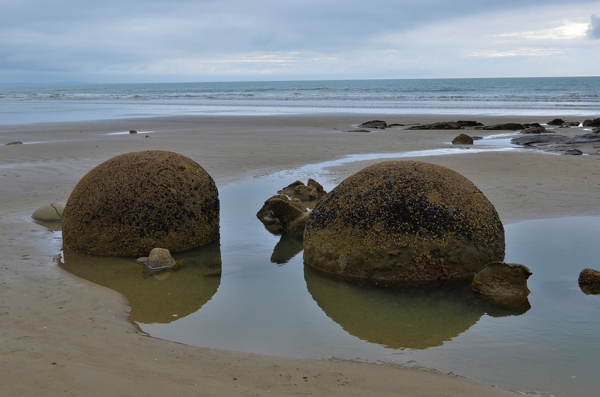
{"x":137,"y":201}
{"x":403,"y":222}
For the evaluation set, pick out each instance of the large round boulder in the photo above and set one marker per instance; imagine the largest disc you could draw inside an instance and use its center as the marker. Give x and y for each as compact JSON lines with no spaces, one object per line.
{"x":135,"y":202}
{"x":401,"y":222}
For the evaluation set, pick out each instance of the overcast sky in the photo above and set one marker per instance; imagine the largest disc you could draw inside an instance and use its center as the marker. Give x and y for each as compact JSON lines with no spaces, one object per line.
{"x":231,"y":40}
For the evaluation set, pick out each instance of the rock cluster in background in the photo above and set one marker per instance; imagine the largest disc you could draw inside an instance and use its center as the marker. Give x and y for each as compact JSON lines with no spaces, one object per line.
{"x":446,"y":125}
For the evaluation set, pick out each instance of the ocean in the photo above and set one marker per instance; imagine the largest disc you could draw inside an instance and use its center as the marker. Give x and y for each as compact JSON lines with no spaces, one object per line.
{"x":549,"y":96}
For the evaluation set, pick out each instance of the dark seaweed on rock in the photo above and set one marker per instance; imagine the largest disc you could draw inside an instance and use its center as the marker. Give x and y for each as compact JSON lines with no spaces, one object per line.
{"x":138,"y":201}
{"x":403,"y":221}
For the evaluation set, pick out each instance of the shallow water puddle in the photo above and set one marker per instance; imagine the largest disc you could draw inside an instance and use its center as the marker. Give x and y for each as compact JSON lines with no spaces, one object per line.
{"x":265,"y":301}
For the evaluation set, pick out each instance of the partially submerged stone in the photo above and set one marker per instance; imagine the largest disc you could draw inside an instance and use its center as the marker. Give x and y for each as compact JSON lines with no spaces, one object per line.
{"x":534,"y":129}
{"x":505,"y":127}
{"x":282,"y":214}
{"x":462,"y":139}
{"x":15,"y":143}
{"x":502,"y":279}
{"x":403,"y":222}
{"x":49,"y":213}
{"x":589,"y":281}
{"x":504,"y":285}
{"x":160,"y":259}
{"x":134,"y":202}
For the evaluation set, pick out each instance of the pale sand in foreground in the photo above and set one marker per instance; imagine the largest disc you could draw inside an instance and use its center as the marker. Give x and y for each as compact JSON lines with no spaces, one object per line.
{"x":62,"y":335}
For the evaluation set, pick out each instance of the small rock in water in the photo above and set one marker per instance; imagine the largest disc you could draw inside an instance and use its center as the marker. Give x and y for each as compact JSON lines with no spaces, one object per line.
{"x":160,"y":259}
{"x":462,"y":139}
{"x":589,"y":276}
{"x":281,"y":214}
{"x":132,"y":131}
{"x":589,"y":281}
{"x":15,"y":143}
{"x":505,"y":279}
{"x":49,"y":213}
{"x":573,"y":152}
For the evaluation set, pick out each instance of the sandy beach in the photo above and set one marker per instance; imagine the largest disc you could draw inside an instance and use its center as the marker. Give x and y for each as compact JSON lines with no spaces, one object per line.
{"x":62,"y":335}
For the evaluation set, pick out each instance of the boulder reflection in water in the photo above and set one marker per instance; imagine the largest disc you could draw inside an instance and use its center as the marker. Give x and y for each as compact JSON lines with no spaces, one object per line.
{"x":407,"y":318}
{"x":288,"y":247}
{"x":161,"y":299}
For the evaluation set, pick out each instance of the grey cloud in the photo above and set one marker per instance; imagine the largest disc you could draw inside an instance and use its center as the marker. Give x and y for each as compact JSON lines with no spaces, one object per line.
{"x":594,"y":29}
{"x":77,"y":36}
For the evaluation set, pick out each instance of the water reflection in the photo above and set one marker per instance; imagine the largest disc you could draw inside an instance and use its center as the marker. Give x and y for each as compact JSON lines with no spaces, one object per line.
{"x":51,"y":226}
{"x":160,"y":298}
{"x":288,"y":247}
{"x":415,"y":318}
{"x":590,"y":289}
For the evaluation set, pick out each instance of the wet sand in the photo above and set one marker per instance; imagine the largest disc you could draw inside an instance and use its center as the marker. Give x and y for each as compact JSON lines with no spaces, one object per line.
{"x":62,"y":334}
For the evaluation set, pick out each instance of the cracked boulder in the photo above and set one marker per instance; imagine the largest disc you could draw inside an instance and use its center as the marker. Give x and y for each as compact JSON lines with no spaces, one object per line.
{"x":49,"y":213}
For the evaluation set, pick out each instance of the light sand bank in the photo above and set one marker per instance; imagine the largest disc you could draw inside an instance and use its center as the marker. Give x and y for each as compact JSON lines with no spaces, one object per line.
{"x":63,"y":335}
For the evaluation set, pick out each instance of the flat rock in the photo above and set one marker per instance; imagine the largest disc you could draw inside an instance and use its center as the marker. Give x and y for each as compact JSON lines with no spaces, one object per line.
{"x":446,"y":125}
{"x":377,"y":124}
{"x":572,"y":152}
{"x":505,"y":127}
{"x":15,"y":143}
{"x":556,"y":139}
{"x":531,"y":140}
